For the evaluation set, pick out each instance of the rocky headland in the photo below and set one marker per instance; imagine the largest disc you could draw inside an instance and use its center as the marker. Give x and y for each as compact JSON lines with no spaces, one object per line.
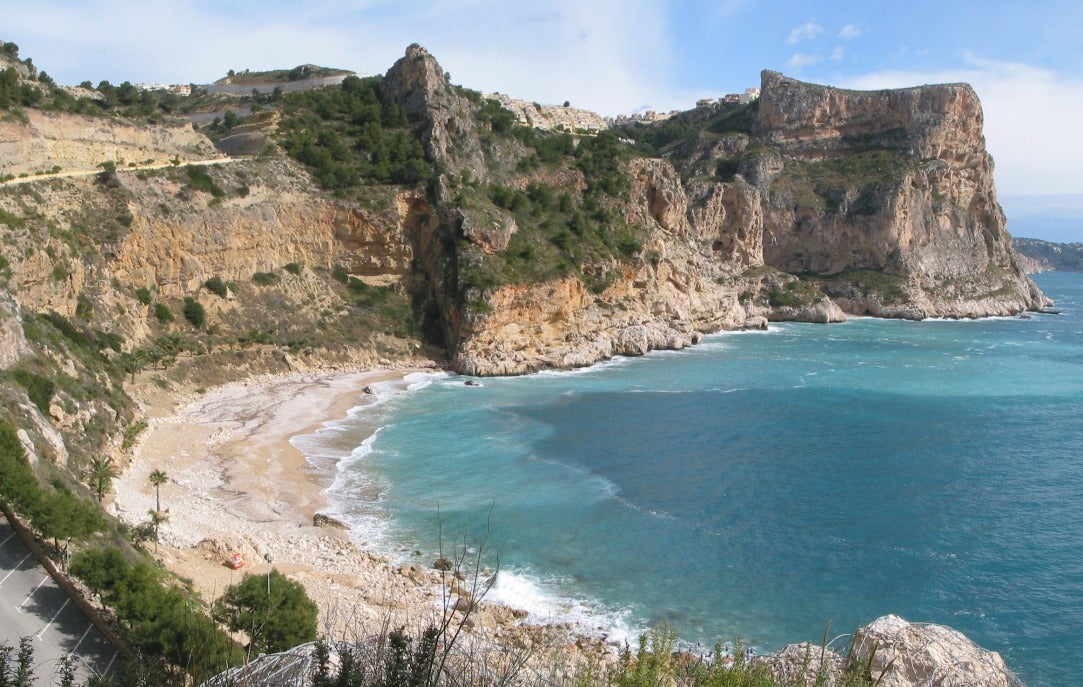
{"x":433,"y":223}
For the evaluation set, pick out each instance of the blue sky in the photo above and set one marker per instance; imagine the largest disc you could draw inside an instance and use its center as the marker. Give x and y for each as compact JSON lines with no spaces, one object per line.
{"x":1025,"y":60}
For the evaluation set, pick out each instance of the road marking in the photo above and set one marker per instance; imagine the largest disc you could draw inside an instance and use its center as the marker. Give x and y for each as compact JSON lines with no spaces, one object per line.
{"x":106,"y":671}
{"x":43,"y":579}
{"x":15,"y":568}
{"x":53,"y":619}
{"x":6,"y":540}
{"x":77,"y":644}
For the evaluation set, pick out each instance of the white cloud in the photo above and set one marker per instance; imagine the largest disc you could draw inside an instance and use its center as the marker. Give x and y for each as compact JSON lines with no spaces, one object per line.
{"x":1031,"y":117}
{"x":805,"y":32}
{"x":799,"y":60}
{"x":838,"y":54}
{"x":849,"y":32}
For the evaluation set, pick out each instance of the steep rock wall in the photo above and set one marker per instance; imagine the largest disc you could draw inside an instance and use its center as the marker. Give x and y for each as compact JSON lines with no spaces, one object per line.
{"x":923,"y":207}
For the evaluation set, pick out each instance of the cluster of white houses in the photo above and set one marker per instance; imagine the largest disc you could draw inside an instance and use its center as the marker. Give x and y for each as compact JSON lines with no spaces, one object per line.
{"x":177,"y":88}
{"x":650,"y":116}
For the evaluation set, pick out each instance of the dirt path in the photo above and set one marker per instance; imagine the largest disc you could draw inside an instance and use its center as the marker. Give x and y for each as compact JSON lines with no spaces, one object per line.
{"x":135,"y":168}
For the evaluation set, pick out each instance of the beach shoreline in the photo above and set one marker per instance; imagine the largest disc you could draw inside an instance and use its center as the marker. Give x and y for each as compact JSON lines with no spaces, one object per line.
{"x":237,"y":485}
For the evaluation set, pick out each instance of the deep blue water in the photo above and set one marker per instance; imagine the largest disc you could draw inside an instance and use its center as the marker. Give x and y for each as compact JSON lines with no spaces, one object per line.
{"x":763,"y":484}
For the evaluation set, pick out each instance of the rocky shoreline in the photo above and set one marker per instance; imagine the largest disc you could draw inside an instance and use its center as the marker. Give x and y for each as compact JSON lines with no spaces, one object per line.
{"x":237,"y":485}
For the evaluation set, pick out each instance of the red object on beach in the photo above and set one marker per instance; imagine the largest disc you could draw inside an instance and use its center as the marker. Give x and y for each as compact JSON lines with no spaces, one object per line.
{"x":237,"y":563}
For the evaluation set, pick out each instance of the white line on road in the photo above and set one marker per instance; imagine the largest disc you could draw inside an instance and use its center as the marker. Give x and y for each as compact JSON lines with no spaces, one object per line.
{"x":106,"y":671}
{"x":43,"y":579}
{"x":53,"y":619}
{"x":15,"y":568}
{"x":6,"y":540}
{"x":79,"y":643}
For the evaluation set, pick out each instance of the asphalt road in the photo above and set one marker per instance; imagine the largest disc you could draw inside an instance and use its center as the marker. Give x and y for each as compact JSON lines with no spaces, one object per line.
{"x":32,"y":605}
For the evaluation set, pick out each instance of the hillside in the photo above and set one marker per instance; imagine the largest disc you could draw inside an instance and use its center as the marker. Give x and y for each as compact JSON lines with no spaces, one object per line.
{"x":399,"y":219}
{"x":1044,"y":255}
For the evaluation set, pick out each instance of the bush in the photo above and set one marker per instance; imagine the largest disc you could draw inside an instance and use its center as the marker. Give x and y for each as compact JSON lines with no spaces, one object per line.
{"x":293,"y":268}
{"x":38,"y":389}
{"x":143,"y":295}
{"x":162,"y":313}
{"x":216,"y":286}
{"x":265,"y":278}
{"x":162,"y":620}
{"x":200,"y":180}
{"x":194,"y":312}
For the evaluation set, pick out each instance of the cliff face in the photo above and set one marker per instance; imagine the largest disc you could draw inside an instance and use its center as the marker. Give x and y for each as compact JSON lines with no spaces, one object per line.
{"x":530,"y":249}
{"x":918,"y":199}
{"x":828,"y":184}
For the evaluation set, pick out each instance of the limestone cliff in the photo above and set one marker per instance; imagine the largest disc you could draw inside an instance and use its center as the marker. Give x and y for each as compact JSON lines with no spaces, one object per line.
{"x":896,"y":181}
{"x":882,"y":202}
{"x":519,"y":249}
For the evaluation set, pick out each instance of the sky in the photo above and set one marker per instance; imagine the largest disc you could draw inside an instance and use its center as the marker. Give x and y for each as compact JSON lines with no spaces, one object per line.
{"x":1025,"y":60}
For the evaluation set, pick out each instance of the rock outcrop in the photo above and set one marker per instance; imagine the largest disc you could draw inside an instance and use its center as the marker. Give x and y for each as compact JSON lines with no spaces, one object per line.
{"x":830,"y":185}
{"x":903,"y":654}
{"x":892,"y":652}
{"x":901,"y":183}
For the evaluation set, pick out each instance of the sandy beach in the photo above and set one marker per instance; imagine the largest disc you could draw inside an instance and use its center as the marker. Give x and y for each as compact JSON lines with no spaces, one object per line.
{"x":237,"y":485}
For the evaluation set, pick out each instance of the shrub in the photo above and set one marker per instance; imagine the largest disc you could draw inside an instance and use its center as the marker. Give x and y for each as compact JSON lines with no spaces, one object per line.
{"x":143,"y":295}
{"x":293,"y":268}
{"x":200,"y":180}
{"x":38,"y":389}
{"x":162,"y":313}
{"x":265,"y":278}
{"x":216,"y":286}
{"x":194,"y":312}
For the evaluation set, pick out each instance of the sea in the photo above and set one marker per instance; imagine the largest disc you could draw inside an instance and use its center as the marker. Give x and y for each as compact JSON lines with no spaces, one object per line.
{"x":762,"y":486}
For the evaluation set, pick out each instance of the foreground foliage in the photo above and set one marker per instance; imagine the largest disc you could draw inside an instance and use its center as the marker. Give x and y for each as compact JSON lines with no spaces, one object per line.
{"x":162,"y":621}
{"x":275,"y":612}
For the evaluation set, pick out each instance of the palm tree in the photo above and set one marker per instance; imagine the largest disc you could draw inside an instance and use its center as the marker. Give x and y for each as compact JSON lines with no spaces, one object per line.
{"x":158,"y":478}
{"x":100,"y":473}
{"x":157,"y":518}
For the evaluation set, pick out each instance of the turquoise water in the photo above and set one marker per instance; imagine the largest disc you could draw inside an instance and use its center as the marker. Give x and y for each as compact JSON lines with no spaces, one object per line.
{"x":762,"y":484}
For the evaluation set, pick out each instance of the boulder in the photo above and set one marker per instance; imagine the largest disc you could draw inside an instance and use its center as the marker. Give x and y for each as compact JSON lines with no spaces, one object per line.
{"x":904,"y":654}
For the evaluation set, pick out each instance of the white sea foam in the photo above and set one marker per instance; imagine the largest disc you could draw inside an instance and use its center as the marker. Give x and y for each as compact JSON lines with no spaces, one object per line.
{"x":519,"y":589}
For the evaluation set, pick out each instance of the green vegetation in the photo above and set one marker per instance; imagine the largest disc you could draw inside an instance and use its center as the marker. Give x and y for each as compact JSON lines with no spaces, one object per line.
{"x":200,"y":180}
{"x":1057,"y":256}
{"x":265,"y":278}
{"x":216,"y":286}
{"x":889,"y":287}
{"x":556,"y":237}
{"x":38,"y":389}
{"x":347,"y":137}
{"x":305,"y":71}
{"x":194,"y":312}
{"x":162,"y":621}
{"x":11,"y":220}
{"x":275,"y":612}
{"x":853,"y":183}
{"x":795,"y":294}
{"x":52,"y":510}
{"x":162,"y":313}
{"x":143,"y":295}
